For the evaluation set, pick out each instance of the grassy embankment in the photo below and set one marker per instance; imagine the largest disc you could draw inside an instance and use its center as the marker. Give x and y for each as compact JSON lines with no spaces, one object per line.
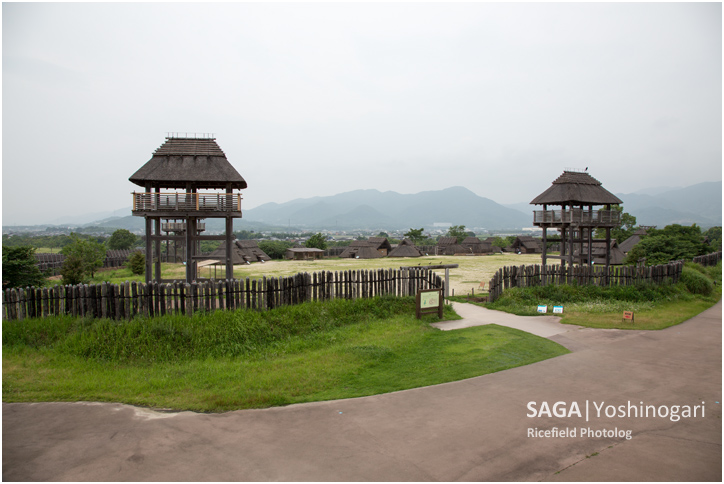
{"x":243,"y":359}
{"x":654,"y":306}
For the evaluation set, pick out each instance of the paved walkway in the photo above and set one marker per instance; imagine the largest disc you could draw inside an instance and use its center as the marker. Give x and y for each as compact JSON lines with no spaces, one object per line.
{"x":471,"y":430}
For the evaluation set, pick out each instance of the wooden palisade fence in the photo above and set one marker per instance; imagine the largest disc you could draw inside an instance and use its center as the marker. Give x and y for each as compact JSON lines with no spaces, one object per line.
{"x":708,"y":259}
{"x":129,"y":299}
{"x":538,"y":275}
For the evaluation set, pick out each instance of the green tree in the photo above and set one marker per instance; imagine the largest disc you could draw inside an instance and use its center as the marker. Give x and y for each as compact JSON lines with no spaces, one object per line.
{"x":673,"y":242}
{"x":713,"y":236}
{"x":84,"y":257}
{"x":20,"y":268}
{"x":625,"y":228}
{"x":457,"y":231}
{"x":137,"y":263}
{"x":276,"y":249}
{"x":316,"y":241}
{"x":122,"y":239}
{"x":415,"y":235}
{"x":72,"y":270}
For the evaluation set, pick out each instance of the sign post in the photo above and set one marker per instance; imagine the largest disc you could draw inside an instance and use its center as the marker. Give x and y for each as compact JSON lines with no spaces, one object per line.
{"x":628,"y":315}
{"x":429,"y":301}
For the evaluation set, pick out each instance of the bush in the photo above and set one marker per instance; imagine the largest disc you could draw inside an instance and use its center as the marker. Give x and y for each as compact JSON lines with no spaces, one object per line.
{"x":695,"y":280}
{"x":20,"y":268}
{"x":137,"y":263}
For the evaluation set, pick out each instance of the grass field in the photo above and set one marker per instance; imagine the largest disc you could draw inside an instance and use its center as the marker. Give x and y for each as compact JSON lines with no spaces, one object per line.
{"x":244,"y":359}
{"x":463,"y":280}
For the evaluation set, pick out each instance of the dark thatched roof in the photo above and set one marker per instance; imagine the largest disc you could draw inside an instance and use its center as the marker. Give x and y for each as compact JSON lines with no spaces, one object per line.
{"x":574,"y":188}
{"x":405,"y":249}
{"x":363,"y":249}
{"x":447,"y":241}
{"x":198,"y":161}
{"x":241,"y":252}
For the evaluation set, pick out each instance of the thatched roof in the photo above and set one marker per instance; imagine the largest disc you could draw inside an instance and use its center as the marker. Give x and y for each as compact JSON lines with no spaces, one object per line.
{"x":530,"y":244}
{"x":198,"y":161}
{"x":574,"y":188}
{"x":447,"y":241}
{"x":241,"y":252}
{"x":476,"y":245}
{"x":405,"y":249}
{"x":380,"y":243}
{"x":598,"y":253}
{"x":363,"y":249}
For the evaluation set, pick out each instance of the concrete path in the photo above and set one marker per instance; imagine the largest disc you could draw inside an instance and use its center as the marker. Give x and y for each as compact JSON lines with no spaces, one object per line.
{"x":545,"y":326}
{"x":471,"y":430}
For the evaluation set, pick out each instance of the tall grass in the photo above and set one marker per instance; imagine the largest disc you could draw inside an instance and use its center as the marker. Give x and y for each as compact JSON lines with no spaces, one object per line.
{"x":217,"y":334}
{"x":245,"y":359}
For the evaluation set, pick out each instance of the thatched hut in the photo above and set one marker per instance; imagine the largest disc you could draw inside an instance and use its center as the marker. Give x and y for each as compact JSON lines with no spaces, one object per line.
{"x":172,"y":181}
{"x":525,"y":244}
{"x":242,"y":251}
{"x":405,"y":249}
{"x":361,"y":249}
{"x":629,"y":243}
{"x":477,"y":246}
{"x":380,"y":244}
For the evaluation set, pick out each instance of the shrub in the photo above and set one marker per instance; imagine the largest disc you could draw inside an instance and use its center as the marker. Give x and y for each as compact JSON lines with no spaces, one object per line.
{"x":137,"y":263}
{"x":20,"y":268}
{"x":695,"y":281}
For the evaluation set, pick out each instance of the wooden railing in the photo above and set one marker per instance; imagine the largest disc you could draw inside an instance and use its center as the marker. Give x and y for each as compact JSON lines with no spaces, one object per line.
{"x":538,"y":275}
{"x":127,"y":300}
{"x":576,"y":215}
{"x":186,"y":202}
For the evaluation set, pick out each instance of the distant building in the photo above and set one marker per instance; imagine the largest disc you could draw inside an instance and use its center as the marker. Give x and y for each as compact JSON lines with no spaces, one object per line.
{"x":629,"y":243}
{"x":304,"y":253}
{"x":242,"y":251}
{"x":405,"y":249}
{"x":525,"y":244}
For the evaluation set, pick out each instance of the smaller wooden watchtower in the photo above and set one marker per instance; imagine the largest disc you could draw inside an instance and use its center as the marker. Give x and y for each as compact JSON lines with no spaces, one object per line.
{"x":577,"y":193}
{"x":187,"y":179}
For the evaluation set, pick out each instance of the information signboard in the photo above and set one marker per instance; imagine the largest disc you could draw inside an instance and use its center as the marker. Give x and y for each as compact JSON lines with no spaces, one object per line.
{"x":429,"y":301}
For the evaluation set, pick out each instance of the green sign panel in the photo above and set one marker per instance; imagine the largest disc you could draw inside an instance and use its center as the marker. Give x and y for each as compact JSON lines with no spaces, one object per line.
{"x":429,"y":300}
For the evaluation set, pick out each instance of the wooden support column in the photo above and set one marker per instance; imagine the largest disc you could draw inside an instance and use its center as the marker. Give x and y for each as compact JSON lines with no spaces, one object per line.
{"x":229,"y":233}
{"x":157,"y":250}
{"x":189,"y":250}
{"x":149,"y":249}
{"x":229,"y":260}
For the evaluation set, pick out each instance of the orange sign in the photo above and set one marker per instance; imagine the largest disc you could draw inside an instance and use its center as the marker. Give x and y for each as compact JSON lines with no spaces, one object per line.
{"x":628,"y":315}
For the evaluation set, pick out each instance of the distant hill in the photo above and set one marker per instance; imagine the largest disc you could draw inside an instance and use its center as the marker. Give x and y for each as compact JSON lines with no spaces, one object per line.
{"x":696,"y":204}
{"x":372,"y":209}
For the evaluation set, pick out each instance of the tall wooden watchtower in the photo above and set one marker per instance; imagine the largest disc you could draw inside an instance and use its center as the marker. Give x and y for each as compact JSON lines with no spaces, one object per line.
{"x":576,"y":194}
{"x":187,"y":179}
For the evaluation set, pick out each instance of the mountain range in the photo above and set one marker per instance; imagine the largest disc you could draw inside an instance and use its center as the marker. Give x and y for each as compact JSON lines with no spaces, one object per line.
{"x":373,"y":209}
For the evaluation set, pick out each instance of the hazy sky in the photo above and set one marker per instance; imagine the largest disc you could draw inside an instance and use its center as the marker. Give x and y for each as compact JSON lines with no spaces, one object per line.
{"x":313,"y":99}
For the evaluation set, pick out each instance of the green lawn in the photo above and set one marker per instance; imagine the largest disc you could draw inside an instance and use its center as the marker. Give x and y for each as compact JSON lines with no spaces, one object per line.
{"x":235,"y":360}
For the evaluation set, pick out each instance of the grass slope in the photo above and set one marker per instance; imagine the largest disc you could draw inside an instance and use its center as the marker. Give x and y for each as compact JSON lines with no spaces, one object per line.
{"x":654,"y":306}
{"x":242,"y":359}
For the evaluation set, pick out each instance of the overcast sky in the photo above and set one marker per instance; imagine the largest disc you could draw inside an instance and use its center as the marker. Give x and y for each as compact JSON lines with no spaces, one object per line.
{"x":314,"y":99}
